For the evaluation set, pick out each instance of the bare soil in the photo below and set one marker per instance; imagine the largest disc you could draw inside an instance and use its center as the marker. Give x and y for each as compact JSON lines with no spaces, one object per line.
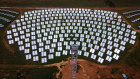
{"x":88,"y":70}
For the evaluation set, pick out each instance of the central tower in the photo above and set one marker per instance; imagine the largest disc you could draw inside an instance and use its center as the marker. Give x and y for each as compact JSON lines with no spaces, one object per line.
{"x":74,"y":56}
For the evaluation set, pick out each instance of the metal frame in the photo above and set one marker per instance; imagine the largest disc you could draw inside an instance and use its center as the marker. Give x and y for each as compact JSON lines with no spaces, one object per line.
{"x":74,"y":56}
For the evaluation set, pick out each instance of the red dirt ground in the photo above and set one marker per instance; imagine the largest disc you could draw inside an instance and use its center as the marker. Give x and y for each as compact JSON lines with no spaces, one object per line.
{"x":90,"y":70}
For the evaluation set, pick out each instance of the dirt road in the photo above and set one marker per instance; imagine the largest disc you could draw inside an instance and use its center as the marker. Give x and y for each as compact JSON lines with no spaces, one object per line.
{"x":88,"y":70}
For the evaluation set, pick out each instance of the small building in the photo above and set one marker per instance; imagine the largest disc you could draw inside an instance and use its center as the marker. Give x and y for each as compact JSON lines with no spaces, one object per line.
{"x":124,"y":76}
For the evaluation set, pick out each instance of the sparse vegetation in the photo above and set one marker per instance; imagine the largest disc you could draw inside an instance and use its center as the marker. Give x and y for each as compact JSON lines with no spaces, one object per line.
{"x":61,"y":66}
{"x":60,"y":76}
{"x":78,"y":67}
{"x":114,"y":70}
{"x":97,"y":72}
{"x":30,"y":73}
{"x":134,"y":57}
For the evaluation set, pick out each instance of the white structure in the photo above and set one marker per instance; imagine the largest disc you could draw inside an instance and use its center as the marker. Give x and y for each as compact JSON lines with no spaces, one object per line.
{"x":92,"y":50}
{"x":108,"y":58}
{"x":57,"y":53}
{"x":100,"y":60}
{"x":115,"y":56}
{"x":50,"y":56}
{"x":86,"y":54}
{"x":43,"y":60}
{"x":65,"y":52}
{"x":35,"y":58}
{"x":28,"y":56}
{"x":117,"y":51}
{"x":93,"y":56}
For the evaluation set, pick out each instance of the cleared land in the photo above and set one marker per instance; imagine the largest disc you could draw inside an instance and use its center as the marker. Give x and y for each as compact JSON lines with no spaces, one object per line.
{"x":86,"y":69}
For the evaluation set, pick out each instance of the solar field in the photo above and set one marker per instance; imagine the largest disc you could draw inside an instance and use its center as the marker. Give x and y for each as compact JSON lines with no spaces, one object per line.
{"x":47,"y":34}
{"x":43,"y":36}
